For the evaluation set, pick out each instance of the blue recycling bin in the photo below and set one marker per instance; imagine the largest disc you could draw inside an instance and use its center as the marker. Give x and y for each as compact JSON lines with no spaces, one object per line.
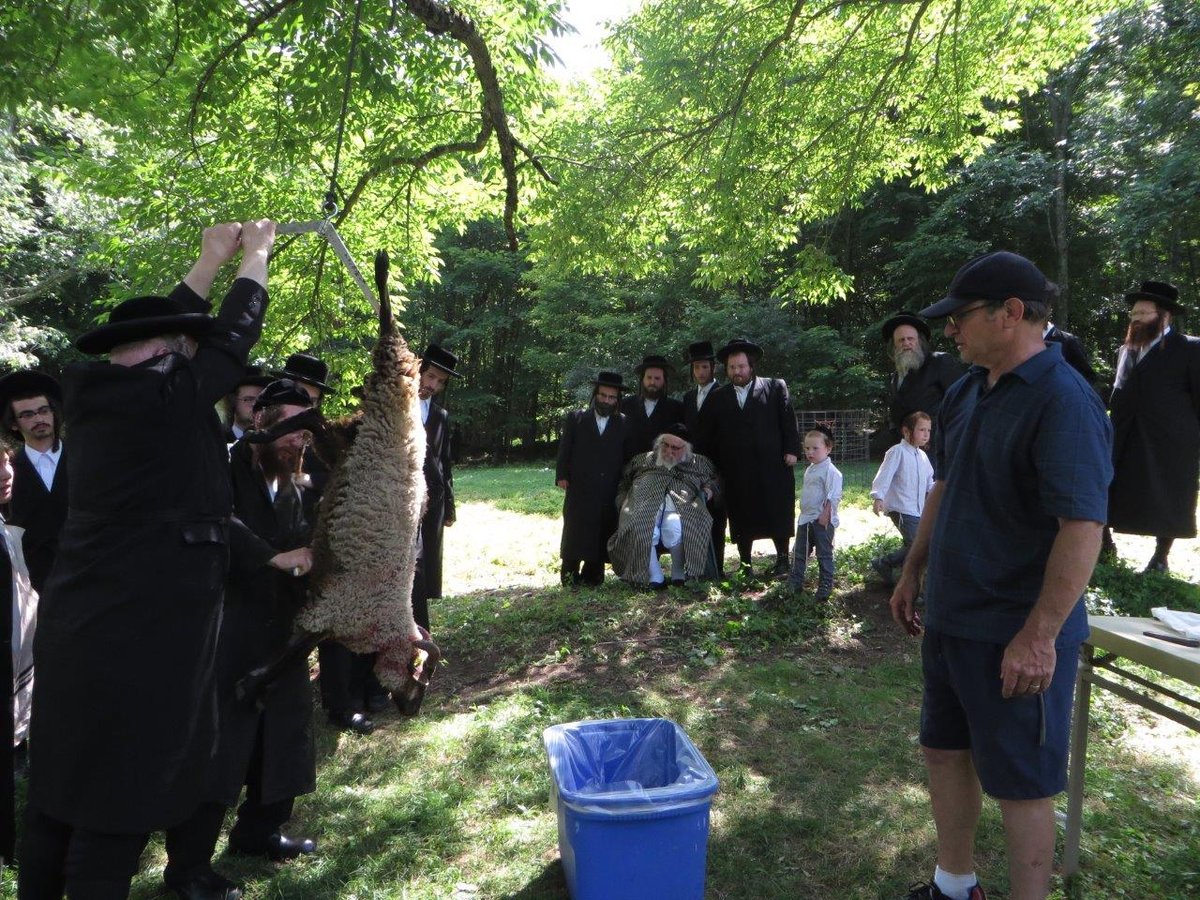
{"x":632,"y":797}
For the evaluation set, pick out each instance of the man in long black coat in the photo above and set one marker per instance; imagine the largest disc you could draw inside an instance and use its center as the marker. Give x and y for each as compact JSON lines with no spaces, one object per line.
{"x":920,"y":377}
{"x":1155,"y":410}
{"x":702,"y":362}
{"x":650,"y":411}
{"x":124,"y":701}
{"x":32,"y":408}
{"x":270,"y":750}
{"x":437,"y":368}
{"x":750,"y":433}
{"x":591,"y":454}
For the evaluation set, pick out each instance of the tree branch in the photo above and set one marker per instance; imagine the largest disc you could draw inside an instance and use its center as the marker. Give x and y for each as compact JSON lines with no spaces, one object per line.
{"x":269,"y":12}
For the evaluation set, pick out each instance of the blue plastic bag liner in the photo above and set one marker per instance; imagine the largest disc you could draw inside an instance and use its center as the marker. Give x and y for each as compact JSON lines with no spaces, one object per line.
{"x":627,"y":767}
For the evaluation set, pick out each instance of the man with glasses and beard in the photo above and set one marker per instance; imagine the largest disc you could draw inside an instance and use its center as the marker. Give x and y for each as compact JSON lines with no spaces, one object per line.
{"x":269,"y":749}
{"x":1155,"y":408}
{"x":591,"y":452}
{"x":921,"y":377}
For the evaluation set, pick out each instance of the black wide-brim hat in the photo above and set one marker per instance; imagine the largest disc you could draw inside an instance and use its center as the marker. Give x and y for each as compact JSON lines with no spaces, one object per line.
{"x":610,"y":379}
{"x":905,"y":318}
{"x":442,"y":358}
{"x":700,"y":351}
{"x":139,"y":318}
{"x":283,"y":391}
{"x":255,"y":376}
{"x":28,"y":383}
{"x":306,"y":368}
{"x":740,"y":345}
{"x":653,"y":361}
{"x":1163,"y":293}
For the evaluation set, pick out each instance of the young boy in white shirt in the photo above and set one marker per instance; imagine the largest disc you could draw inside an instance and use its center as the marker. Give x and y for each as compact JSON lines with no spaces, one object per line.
{"x":818,"y":519}
{"x":904,"y":479}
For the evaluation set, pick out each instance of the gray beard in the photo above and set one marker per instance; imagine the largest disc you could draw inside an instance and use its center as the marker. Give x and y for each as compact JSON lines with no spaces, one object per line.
{"x":662,"y":463}
{"x":909,"y":361}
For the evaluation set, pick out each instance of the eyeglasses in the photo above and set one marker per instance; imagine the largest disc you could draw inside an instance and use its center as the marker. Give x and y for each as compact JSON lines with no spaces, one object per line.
{"x":27,"y":415}
{"x":957,"y":319}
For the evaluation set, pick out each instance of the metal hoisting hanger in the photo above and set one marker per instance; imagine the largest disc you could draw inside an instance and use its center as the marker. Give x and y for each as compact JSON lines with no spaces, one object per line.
{"x":324,"y":228}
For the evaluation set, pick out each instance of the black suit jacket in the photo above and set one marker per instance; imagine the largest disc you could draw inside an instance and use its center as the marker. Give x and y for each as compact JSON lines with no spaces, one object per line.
{"x":1156,"y":442}
{"x":124,"y":701}
{"x":40,"y":512}
{"x":643,"y":430}
{"x":691,"y":415}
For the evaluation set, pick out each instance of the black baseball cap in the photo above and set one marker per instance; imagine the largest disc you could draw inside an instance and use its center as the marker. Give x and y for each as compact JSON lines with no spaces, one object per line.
{"x":994,"y":277}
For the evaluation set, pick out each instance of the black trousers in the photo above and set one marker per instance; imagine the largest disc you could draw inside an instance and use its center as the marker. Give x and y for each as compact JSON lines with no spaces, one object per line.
{"x":92,"y":865}
{"x":346,"y":677}
{"x":593,"y":571}
{"x":257,"y":821}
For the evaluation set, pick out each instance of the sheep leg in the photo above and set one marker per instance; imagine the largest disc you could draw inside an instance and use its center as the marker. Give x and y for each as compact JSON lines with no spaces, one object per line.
{"x":254,"y":685}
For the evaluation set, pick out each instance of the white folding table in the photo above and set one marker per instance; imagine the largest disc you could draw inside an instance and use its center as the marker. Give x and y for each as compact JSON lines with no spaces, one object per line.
{"x":1114,"y":639}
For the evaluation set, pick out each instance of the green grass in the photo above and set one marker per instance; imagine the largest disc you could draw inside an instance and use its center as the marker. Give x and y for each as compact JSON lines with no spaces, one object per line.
{"x":807,"y":712}
{"x":529,"y":490}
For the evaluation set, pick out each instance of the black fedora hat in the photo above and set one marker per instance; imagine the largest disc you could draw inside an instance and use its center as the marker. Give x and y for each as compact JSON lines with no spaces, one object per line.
{"x":254,"y":376}
{"x":281,"y":391}
{"x":653,"y":361}
{"x":740,"y":345}
{"x":609,"y":379}
{"x":139,"y":318}
{"x":1163,"y":293}
{"x":306,"y":368}
{"x":442,"y":358}
{"x":905,"y":318}
{"x":25,"y":383}
{"x":700,"y":351}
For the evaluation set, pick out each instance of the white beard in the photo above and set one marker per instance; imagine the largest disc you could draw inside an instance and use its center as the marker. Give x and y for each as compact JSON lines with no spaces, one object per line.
{"x":909,"y":361}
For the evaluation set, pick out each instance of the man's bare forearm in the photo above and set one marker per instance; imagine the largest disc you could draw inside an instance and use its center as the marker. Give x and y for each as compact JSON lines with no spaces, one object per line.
{"x":1072,"y":559}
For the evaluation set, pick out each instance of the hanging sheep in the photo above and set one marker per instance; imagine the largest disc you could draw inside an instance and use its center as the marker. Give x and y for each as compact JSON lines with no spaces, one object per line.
{"x":365,"y":544}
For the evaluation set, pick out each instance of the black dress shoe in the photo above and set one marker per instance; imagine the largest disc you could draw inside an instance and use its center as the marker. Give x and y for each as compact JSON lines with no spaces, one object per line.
{"x":352,"y":721}
{"x":1157,"y":565}
{"x":208,"y":885}
{"x":281,"y":848}
{"x":278,"y":848}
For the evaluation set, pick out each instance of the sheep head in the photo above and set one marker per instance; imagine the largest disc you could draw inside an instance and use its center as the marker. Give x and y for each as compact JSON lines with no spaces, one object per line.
{"x":405,"y":666}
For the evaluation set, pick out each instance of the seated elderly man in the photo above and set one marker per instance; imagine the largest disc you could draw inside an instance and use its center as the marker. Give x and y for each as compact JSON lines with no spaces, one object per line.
{"x":662,"y":503}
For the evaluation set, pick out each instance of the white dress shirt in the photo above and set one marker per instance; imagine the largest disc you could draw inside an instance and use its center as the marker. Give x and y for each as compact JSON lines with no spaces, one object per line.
{"x":904,"y":479}
{"x":742,"y":392}
{"x":46,"y":463}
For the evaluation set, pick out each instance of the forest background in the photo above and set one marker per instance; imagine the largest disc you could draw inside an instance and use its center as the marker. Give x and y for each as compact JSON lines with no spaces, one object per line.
{"x":786,"y":170}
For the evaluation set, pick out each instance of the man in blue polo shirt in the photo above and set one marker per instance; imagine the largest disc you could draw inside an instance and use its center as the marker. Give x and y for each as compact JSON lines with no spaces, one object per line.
{"x":1010,"y":534}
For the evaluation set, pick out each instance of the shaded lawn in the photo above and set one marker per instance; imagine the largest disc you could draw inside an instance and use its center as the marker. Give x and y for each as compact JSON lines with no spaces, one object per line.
{"x":808,"y":714}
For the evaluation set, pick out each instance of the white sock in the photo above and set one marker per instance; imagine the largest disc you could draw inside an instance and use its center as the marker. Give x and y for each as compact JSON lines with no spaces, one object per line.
{"x":656,"y":572}
{"x":956,"y":887}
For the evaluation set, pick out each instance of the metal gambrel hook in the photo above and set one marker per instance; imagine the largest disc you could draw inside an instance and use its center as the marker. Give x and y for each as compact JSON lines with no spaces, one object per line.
{"x":324,"y":228}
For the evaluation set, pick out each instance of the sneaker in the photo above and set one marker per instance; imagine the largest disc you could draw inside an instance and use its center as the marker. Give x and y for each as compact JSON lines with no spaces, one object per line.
{"x":929,"y":891}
